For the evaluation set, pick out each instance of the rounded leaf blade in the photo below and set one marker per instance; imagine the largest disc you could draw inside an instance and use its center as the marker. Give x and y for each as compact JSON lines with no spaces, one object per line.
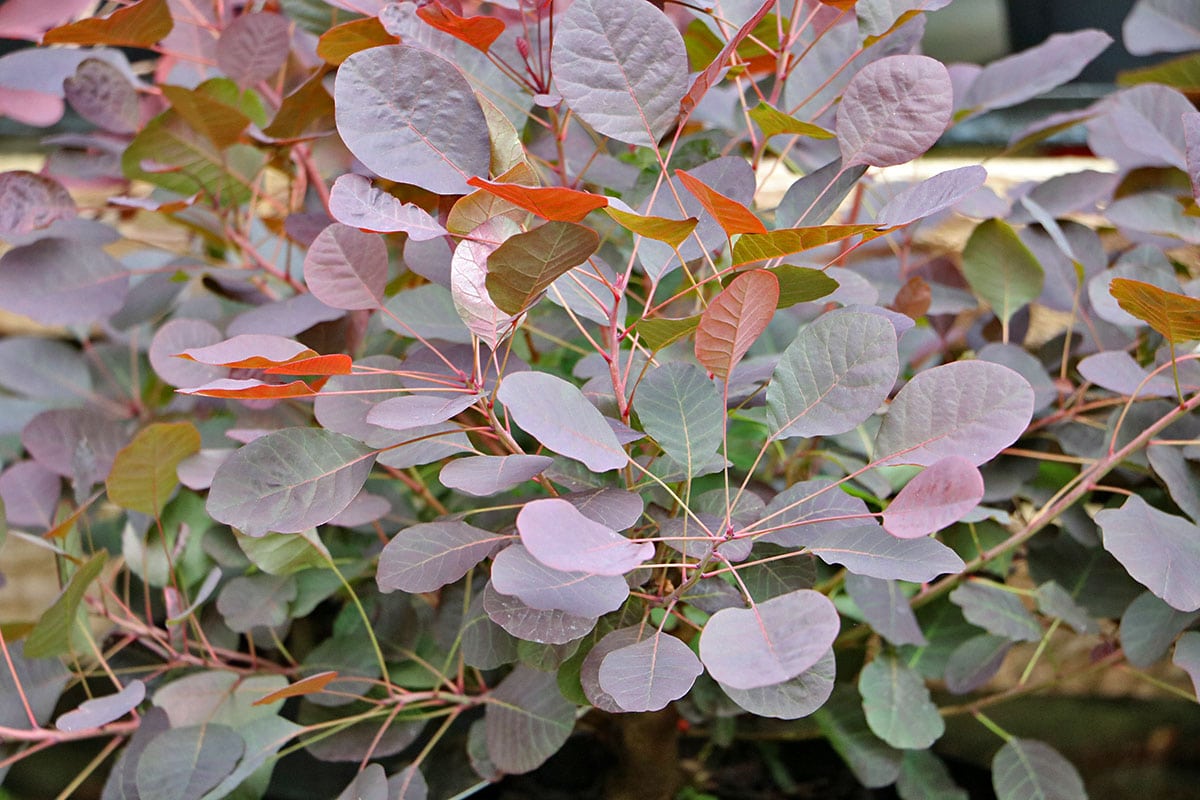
{"x":893,"y":111}
{"x":734,"y":319}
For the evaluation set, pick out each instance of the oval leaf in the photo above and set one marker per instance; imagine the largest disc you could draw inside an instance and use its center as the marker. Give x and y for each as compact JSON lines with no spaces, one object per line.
{"x":1175,"y":316}
{"x":483,"y":476}
{"x":1160,"y":550}
{"x":184,"y":763}
{"x":527,"y":720}
{"x":938,"y":496}
{"x":143,"y":474}
{"x":517,"y":573}
{"x":1026,"y":769}
{"x":556,"y":413}
{"x":29,"y":202}
{"x":869,"y":550}
{"x":622,"y":67}
{"x":415,"y":411}
{"x":733,"y":217}
{"x":996,"y":611}
{"x":735,"y":319}
{"x":103,"y":710}
{"x":682,"y":410}
{"x":62,"y":282}
{"x":254,"y":47}
{"x":558,"y":535}
{"x":769,"y":643}
{"x":893,"y":111}
{"x":347,"y":268}
{"x":289,"y":481}
{"x":139,"y":25}
{"x":353,"y":200}
{"x":793,"y":699}
{"x":551,"y":202}
{"x":650,"y":674}
{"x":931,"y":195}
{"x":102,"y":95}
{"x":426,"y":557}
{"x":1001,"y":269}
{"x":521,"y":268}
{"x":897,"y":704}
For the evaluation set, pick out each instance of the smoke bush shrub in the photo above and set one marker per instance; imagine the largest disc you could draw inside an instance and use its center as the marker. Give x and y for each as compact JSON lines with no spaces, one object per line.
{"x":413,"y":378}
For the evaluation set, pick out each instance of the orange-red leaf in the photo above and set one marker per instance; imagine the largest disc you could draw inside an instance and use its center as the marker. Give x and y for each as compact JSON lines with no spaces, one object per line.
{"x":1175,"y":316}
{"x":334,"y":364}
{"x":342,"y":41}
{"x":479,"y":32}
{"x":734,"y":319}
{"x":762,"y":246}
{"x":661,"y":229}
{"x":310,"y":685}
{"x":550,"y":202}
{"x":140,"y":25}
{"x":733,"y":216}
{"x":252,"y":390}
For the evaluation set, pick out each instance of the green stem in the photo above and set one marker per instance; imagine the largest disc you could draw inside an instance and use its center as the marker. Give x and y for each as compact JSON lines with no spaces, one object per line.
{"x":988,"y":723}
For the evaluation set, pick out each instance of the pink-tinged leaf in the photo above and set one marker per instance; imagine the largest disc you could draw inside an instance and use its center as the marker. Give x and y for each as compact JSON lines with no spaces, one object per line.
{"x":248,"y":389}
{"x":972,"y":409}
{"x":468,"y":281}
{"x":426,"y":557}
{"x":650,"y":674}
{"x":29,"y":19}
{"x":289,"y":317}
{"x":1116,"y":371}
{"x":526,"y":720}
{"x":558,"y":535}
{"x":77,"y":443}
{"x":62,"y":282}
{"x":975,"y":662}
{"x":792,"y":699}
{"x":886,"y":608}
{"x":102,"y":95}
{"x":808,"y":508}
{"x":408,"y":784}
{"x":483,"y":476}
{"x":517,"y":573}
{"x":1141,"y":127}
{"x":30,"y":107}
{"x":940,"y":495}
{"x":333,"y":364}
{"x":248,"y":351}
{"x":139,"y":25}
{"x":557,"y":414}
{"x":1035,"y":71}
{"x":931,"y":196}
{"x":43,"y":368}
{"x":175,"y":336}
{"x":589,"y":670}
{"x":769,"y":643}
{"x":1161,"y":551}
{"x":196,"y":472}
{"x":479,"y":32}
{"x":102,"y":710}
{"x":1187,"y":657}
{"x":621,"y":67}
{"x":347,"y":268}
{"x":364,"y":509}
{"x":613,"y":508}
{"x":354,"y":201}
{"x":735,"y":319}
{"x":289,"y":481}
{"x":549,"y":202}
{"x":833,"y":376}
{"x":1191,"y":138}
{"x":404,"y":413}
{"x":411,"y":116}
{"x":712,"y":73}
{"x":1161,"y":26}
{"x":733,"y":217}
{"x":869,"y":550}
{"x":30,"y":494}
{"x":531,"y":624}
{"x":525,"y":265}
{"x":893,"y":111}
{"x":254,"y":47}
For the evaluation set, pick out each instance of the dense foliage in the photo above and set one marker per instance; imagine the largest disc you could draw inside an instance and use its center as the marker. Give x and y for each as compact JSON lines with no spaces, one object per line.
{"x":408,"y":379}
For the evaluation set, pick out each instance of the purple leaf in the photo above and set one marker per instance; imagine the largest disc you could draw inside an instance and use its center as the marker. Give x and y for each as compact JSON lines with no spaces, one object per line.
{"x":1161,"y":551}
{"x":531,"y":624}
{"x":886,"y":609}
{"x":897,"y":704}
{"x":364,"y":509}
{"x":527,"y":720}
{"x":972,"y":409}
{"x":792,"y":699}
{"x":46,"y":369}
{"x":347,"y":268}
{"x":288,"y":317}
{"x":1161,"y":26}
{"x":809,"y":508}
{"x":183,"y":763}
{"x":102,"y":95}
{"x":354,"y":201}
{"x":1025,"y":768}
{"x":650,"y":674}
{"x":996,"y":611}
{"x":62,"y":282}
{"x":485,"y":645}
{"x":79,"y":444}
{"x":172,"y":338}
{"x":427,"y":311}
{"x":1021,"y":362}
{"x":426,"y":557}
{"x":483,"y":476}
{"x":29,"y":19}
{"x":408,"y":784}
{"x":975,"y":662}
{"x":940,"y":495}
{"x":833,"y":376}
{"x":931,"y":196}
{"x":247,"y":350}
{"x":1148,"y":627}
{"x":517,"y":573}
{"x":876,"y":17}
{"x":30,"y":202}
{"x":1035,"y":71}
{"x":103,"y":710}
{"x":589,"y":670}
{"x":254,"y":47}
{"x":1063,"y":194}
{"x":414,"y":411}
{"x":1191,"y":138}
{"x":1187,"y":657}
{"x":1116,"y":371}
{"x":1141,"y":127}
{"x":870,"y":550}
{"x":621,"y":67}
{"x":425,"y":445}
{"x":345,"y":401}
{"x":30,"y":494}
{"x":893,"y":111}
{"x":468,"y":281}
{"x":289,"y":481}
{"x":410,"y":116}
{"x":770,"y":643}
{"x":558,"y":535}
{"x":556,"y":413}
{"x":1180,"y":474}
{"x":612,"y":508}
{"x":370,"y":784}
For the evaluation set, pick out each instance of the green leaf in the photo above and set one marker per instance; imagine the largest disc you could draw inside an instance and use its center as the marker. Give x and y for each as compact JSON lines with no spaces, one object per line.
{"x":316,"y":16}
{"x":143,"y":473}
{"x":1026,"y":769}
{"x":874,"y":762}
{"x":217,"y":108}
{"x":773,"y":122}
{"x":1001,"y":269}
{"x":184,"y":763}
{"x":801,"y":284}
{"x":526,"y":264}
{"x":658,"y":333}
{"x":897,"y":704}
{"x":284,"y":553}
{"x":752,"y":247}
{"x":923,"y":776}
{"x":1181,"y":73}
{"x":681,"y":408}
{"x":51,"y":636}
